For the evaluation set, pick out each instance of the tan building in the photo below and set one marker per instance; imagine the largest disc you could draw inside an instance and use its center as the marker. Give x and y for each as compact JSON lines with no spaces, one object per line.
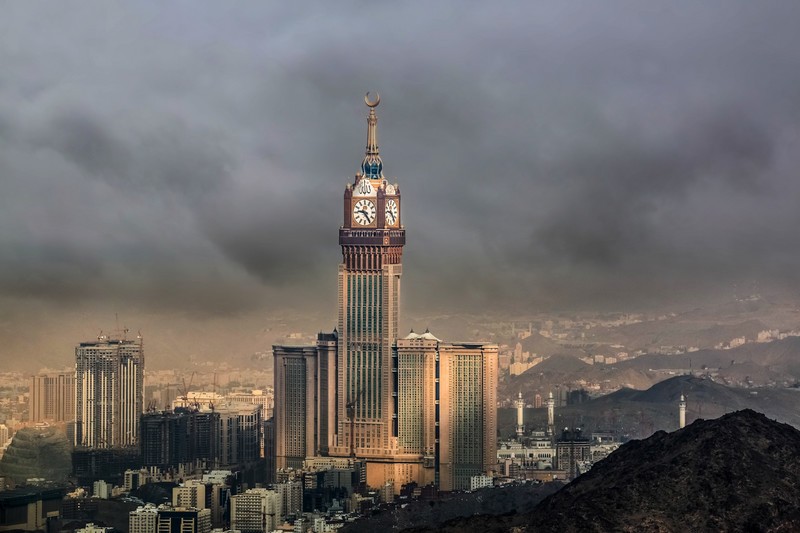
{"x":446,"y":410}
{"x":264,"y":398}
{"x":468,"y":407}
{"x":143,"y":519}
{"x":256,"y":510}
{"x":52,"y":397}
{"x":190,"y":494}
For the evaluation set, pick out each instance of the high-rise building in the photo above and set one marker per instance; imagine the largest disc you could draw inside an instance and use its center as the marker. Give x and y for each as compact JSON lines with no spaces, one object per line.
{"x":360,"y":392}
{"x":372,"y":239}
{"x":291,"y":497}
{"x":295,"y":404}
{"x":239,"y":434}
{"x":181,"y":439}
{"x":109,"y":385}
{"x":327,"y":392}
{"x":446,"y":409}
{"x":52,"y":397}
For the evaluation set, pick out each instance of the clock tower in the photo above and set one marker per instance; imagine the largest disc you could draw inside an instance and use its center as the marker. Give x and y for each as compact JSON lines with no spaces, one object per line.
{"x":372,"y":239}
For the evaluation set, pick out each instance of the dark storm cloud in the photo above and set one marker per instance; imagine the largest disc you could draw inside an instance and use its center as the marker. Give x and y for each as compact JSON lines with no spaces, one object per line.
{"x":194,"y":157}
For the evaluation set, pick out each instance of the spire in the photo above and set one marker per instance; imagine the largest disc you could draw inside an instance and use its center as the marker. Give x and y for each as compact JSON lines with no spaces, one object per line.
{"x":372,"y":166}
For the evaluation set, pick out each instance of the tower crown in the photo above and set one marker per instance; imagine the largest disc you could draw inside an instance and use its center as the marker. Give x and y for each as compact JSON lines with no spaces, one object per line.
{"x":372,"y":166}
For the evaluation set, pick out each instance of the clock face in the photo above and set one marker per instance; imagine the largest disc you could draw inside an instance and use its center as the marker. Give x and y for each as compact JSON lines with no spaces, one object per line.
{"x":391,"y":212}
{"x":364,"y":212}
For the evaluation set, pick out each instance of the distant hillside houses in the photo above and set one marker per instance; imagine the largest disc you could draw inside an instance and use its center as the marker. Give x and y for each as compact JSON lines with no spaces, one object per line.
{"x":767,"y":335}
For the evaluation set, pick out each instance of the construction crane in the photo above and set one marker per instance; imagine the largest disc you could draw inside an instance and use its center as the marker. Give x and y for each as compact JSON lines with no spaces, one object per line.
{"x":351,"y":414}
{"x":185,"y":390}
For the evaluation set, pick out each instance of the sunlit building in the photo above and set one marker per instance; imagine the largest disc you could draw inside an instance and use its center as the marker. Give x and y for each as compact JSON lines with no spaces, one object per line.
{"x":109,"y":385}
{"x":52,"y":397}
{"x":413,"y":409}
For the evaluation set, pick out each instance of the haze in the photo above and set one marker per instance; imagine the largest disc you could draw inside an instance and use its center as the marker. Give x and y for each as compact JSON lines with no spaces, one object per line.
{"x":183,"y":163}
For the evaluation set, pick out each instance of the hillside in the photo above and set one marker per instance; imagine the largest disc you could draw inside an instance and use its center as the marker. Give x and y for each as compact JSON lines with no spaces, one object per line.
{"x":737,"y":472}
{"x":734,"y":473}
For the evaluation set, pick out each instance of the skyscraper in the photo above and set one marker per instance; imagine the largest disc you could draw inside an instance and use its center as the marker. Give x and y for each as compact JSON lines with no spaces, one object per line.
{"x":372,"y":240}
{"x":52,"y":397}
{"x":109,"y":385}
{"x":184,"y":438}
{"x":468,"y":407}
{"x":360,"y":392}
{"x":446,"y":410}
{"x":295,"y":404}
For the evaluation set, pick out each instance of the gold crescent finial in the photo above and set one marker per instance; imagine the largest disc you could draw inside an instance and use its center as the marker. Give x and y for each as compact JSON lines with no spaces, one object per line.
{"x":372,"y":104}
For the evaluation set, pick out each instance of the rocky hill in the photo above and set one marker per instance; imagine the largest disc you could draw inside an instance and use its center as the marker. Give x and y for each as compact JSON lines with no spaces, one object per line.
{"x":37,"y":453}
{"x":428,"y":515}
{"x":735,"y":473}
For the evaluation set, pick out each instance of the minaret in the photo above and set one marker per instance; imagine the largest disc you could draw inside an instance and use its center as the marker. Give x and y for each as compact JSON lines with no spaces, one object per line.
{"x":372,"y":239}
{"x":682,"y":412}
{"x":519,"y":403}
{"x":551,"y":414}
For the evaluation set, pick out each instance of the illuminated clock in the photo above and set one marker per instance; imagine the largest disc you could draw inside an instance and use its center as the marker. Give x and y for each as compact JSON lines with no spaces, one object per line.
{"x":364,"y":212}
{"x":391,"y":212}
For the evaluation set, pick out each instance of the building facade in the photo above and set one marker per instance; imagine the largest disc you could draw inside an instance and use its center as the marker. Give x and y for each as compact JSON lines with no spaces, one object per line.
{"x":295,"y":404}
{"x":239,"y":434}
{"x":573,"y":453}
{"x":446,"y":409}
{"x":109,"y":392}
{"x":143,"y":519}
{"x":52,"y":397}
{"x":256,"y":510}
{"x":184,"y":520}
{"x":191,"y":494}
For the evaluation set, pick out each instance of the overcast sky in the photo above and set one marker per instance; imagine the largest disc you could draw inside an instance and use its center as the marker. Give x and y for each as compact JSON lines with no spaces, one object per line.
{"x":191,"y":156}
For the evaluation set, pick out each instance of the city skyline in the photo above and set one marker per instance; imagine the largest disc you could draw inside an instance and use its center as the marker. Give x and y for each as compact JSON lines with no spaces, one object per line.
{"x":164,"y":165}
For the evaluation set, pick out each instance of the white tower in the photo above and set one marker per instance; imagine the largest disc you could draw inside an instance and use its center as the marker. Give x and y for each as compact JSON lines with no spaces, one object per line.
{"x":519,"y":403}
{"x":551,"y":414}
{"x":682,"y":412}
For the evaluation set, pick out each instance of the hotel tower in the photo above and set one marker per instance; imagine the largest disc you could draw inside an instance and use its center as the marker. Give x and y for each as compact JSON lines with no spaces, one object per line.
{"x":361,"y":392}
